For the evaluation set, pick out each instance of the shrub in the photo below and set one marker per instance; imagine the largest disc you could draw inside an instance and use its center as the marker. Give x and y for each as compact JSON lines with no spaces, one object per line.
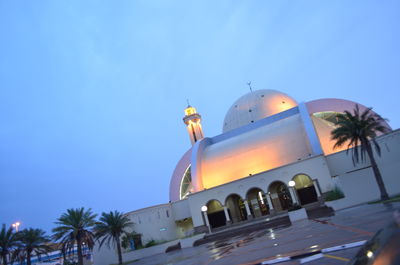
{"x":334,"y":194}
{"x":150,"y":243}
{"x":294,"y":207}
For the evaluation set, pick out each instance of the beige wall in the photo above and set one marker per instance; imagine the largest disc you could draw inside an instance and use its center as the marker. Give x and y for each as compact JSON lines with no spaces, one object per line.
{"x":255,"y":151}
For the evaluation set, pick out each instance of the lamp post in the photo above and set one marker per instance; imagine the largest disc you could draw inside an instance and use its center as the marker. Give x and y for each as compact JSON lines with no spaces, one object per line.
{"x":16,"y":225}
{"x":294,"y":192}
{"x":204,"y":212}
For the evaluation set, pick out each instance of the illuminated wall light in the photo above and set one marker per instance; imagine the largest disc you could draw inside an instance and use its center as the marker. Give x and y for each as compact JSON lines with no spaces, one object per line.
{"x":370,"y":254}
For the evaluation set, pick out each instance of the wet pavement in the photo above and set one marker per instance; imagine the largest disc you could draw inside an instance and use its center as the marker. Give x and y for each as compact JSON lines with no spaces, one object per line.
{"x":347,"y":226}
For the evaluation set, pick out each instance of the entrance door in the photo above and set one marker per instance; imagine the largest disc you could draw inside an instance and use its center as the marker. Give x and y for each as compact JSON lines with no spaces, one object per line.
{"x":305,"y":189}
{"x":280,"y":196}
{"x":257,"y":202}
{"x":236,"y":208}
{"x":215,"y":213}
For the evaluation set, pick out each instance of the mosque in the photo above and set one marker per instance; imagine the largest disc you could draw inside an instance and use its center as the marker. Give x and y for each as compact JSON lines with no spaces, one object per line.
{"x":273,"y":153}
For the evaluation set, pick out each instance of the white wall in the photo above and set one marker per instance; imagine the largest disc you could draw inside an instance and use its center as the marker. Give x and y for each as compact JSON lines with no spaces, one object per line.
{"x":180,"y":209}
{"x":358,"y":182}
{"x":315,"y":167}
{"x":104,"y":255}
{"x":155,"y":223}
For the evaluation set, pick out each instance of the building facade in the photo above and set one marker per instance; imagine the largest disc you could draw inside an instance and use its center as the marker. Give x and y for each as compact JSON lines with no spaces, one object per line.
{"x":268,"y":141}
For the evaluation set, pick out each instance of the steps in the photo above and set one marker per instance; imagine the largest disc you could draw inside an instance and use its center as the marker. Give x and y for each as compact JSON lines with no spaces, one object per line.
{"x":320,"y":211}
{"x":243,"y":229}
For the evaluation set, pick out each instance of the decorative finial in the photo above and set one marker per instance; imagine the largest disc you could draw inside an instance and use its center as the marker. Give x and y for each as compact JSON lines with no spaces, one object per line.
{"x":249,"y":84}
{"x":187,"y":100}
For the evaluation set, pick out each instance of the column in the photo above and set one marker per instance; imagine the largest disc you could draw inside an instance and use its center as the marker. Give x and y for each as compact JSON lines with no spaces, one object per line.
{"x":246,"y":205}
{"x":316,"y":186}
{"x":271,"y":207}
{"x":228,"y":219}
{"x":294,"y":195}
{"x":318,"y":191}
{"x":207,"y":222}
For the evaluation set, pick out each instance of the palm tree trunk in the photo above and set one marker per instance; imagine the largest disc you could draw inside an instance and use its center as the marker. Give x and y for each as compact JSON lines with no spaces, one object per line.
{"x":377,"y":173}
{"x":28,"y":258}
{"x":119,"y":250}
{"x":4,"y":259}
{"x":79,"y":250}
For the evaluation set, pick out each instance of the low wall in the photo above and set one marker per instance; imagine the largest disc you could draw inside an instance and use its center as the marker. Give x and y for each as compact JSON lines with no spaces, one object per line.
{"x":108,"y":256}
{"x":146,"y":252}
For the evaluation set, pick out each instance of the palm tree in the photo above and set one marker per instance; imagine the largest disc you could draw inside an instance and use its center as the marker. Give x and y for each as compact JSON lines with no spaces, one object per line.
{"x":33,"y":240}
{"x":8,"y":242}
{"x":358,"y":131}
{"x":75,"y":226}
{"x":110,"y":228}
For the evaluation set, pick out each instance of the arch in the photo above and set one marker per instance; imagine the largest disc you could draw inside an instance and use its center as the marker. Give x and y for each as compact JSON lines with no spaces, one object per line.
{"x":177,"y":175}
{"x":258,"y":202}
{"x":320,"y":110}
{"x":215,"y":213}
{"x":305,"y":189}
{"x":280,"y":196}
{"x":236,"y":209}
{"x":252,"y":188}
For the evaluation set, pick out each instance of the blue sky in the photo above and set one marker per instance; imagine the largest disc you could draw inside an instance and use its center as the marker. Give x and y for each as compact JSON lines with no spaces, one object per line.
{"x":92,"y":92}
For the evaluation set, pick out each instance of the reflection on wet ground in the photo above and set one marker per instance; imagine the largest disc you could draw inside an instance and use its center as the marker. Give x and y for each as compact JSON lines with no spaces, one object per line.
{"x":221,"y":248}
{"x":304,"y":236}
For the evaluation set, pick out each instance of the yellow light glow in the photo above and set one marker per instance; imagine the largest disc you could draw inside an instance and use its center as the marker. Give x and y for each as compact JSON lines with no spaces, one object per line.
{"x":237,"y":165}
{"x":370,"y":254}
{"x":190,"y":111}
{"x":16,"y":225}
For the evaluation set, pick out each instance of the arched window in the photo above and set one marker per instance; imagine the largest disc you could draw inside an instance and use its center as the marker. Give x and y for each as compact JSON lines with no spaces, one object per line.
{"x":305,"y":189}
{"x":328,"y":116}
{"x":302,"y":181}
{"x":215,"y":213}
{"x":186,"y":184}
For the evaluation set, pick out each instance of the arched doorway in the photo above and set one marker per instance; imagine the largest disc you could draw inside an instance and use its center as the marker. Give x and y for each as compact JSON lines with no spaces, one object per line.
{"x":236,"y":208}
{"x":215,"y":213}
{"x":257,"y":202}
{"x":305,"y":189}
{"x":280,"y":196}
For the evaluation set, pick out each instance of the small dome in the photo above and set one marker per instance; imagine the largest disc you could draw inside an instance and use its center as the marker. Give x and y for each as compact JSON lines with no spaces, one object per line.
{"x":255,"y":106}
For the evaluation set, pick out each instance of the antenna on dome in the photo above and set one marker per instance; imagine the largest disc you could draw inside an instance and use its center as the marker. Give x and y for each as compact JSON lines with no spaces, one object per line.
{"x":249,"y":84}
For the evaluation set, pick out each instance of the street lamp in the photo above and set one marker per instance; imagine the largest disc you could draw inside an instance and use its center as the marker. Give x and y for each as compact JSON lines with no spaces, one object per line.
{"x":292,"y":183}
{"x":204,"y":209}
{"x":16,"y":225}
{"x":293,"y":191}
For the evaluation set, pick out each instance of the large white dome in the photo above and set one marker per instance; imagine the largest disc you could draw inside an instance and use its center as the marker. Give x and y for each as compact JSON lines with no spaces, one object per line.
{"x":255,"y":106}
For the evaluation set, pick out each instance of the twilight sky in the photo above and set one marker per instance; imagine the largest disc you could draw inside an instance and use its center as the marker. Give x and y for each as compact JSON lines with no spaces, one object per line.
{"x":92,"y":92}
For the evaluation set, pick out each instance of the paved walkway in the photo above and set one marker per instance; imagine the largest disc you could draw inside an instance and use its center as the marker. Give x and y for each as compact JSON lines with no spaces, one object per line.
{"x":347,"y":226}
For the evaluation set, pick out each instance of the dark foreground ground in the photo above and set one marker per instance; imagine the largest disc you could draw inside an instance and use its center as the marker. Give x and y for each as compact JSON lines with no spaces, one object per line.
{"x":347,"y":226}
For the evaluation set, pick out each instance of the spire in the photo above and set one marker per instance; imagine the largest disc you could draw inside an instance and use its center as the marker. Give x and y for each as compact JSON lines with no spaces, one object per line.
{"x":192,"y":119}
{"x":249,"y":84}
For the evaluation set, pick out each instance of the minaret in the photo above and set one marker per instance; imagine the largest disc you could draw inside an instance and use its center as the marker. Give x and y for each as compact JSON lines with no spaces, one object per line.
{"x":192,"y":120}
